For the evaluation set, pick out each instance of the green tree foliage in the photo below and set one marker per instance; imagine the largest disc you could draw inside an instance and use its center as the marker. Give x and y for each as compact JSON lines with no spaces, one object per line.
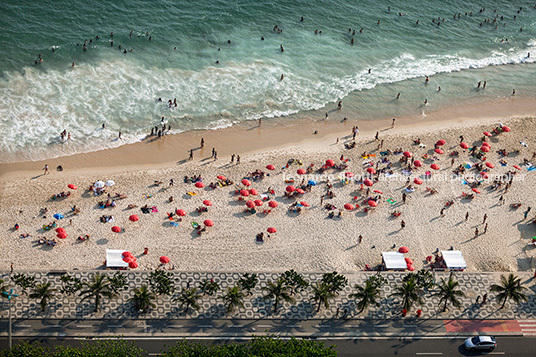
{"x":107,"y":348}
{"x":322,"y":293}
{"x":294,"y":281}
{"x":277,"y":291}
{"x":43,"y":292}
{"x":70,"y":284}
{"x":3,"y":287}
{"x":409,"y":291}
{"x":188,"y":299}
{"x":118,"y":282}
{"x":248,"y":282}
{"x":209,"y":287}
{"x":367,"y":294}
{"x":161,"y":282}
{"x":98,"y":287}
{"x":335,"y":281}
{"x":424,"y":279}
{"x":233,"y":298}
{"x":509,"y":288}
{"x":447,"y":292}
{"x":23,"y":281}
{"x":143,"y":299}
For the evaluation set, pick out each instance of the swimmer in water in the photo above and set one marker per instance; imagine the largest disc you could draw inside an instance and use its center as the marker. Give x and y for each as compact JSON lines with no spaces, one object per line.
{"x":103,"y":125}
{"x":397,"y":96}
{"x":282,"y":76}
{"x":282,"y":49}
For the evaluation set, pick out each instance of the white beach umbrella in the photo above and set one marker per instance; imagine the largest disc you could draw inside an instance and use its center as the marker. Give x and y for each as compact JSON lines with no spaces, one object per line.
{"x":110,"y":183}
{"x":98,"y":184}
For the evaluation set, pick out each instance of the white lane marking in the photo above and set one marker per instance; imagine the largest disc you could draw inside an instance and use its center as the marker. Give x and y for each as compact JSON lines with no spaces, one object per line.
{"x":429,"y":353}
{"x":236,"y":326}
{"x":528,"y":329}
{"x":294,"y":325}
{"x":527,"y":325}
{"x":380,"y":325}
{"x":264,"y":325}
{"x":84,"y":326}
{"x":533,"y":321}
{"x":496,"y":353}
{"x":115,"y":326}
{"x":25,"y":326}
{"x":53,"y":325}
{"x":323,"y":326}
{"x":205,"y":326}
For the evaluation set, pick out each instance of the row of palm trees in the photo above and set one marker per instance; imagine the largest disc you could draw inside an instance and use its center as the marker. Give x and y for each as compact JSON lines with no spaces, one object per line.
{"x":412,"y":290}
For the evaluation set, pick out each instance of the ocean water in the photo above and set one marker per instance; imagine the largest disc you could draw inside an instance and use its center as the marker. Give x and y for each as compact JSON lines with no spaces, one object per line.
{"x":175,"y":45}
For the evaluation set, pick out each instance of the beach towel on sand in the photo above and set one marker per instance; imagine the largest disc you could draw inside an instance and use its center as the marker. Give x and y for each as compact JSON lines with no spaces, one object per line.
{"x":154,"y":209}
{"x":195,"y":225}
{"x":174,"y":224}
{"x":147,"y":196}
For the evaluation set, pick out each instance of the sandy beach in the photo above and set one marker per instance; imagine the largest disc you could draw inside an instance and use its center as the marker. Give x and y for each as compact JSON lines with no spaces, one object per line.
{"x":306,"y":241}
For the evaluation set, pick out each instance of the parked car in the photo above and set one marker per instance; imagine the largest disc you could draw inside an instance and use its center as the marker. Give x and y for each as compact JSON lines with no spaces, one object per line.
{"x":481,"y":343}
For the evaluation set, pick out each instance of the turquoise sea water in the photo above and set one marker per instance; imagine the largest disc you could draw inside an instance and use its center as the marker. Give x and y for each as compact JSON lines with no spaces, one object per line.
{"x":38,"y":101}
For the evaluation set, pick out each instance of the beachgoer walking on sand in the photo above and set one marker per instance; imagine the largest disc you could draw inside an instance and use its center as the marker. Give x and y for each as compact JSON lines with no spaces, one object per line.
{"x":485,"y":228}
{"x":213,"y":151}
{"x":397,"y":96}
{"x":476,"y":232}
{"x":466,"y":216}
{"x":119,"y":136}
{"x":145,"y":251}
{"x":170,"y":182}
{"x":484,"y":299}
{"x":513,"y":92}
{"x":202,"y":143}
{"x":393,"y":123}
{"x":339,"y":105}
{"x":485,"y":217}
{"x":442,"y":212}
{"x":215,"y":155}
{"x":191,"y":155}
{"x":237,"y":159}
{"x":376,"y":137}
{"x":526,"y":213}
{"x":402,"y":224}
{"x":232,"y":158}
{"x":477,"y":299}
{"x":360,"y":239}
{"x":12,"y":267}
{"x":461,"y":139}
{"x":321,"y":200}
{"x":404,"y":197}
{"x":46,"y":169}
{"x":501,"y":199}
{"x":381,"y":144}
{"x":452,"y":162}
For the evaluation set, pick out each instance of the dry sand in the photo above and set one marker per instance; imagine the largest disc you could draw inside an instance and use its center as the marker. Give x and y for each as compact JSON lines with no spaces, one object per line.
{"x":306,"y":242}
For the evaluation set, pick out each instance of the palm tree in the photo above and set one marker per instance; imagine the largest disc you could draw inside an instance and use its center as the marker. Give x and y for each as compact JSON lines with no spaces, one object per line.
{"x":448,"y":293}
{"x":322,"y":292}
{"x":3,"y":287}
{"x":143,"y":299}
{"x":277,"y":291}
{"x":43,"y":292}
{"x":367,"y":295}
{"x":409,"y":291}
{"x":233,"y":297}
{"x":188,"y":299}
{"x":509,"y":289}
{"x":98,"y":287}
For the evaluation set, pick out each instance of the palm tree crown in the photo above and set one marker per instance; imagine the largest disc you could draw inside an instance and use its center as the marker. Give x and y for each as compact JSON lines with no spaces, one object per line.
{"x":234,"y":297}
{"x":366,"y":294}
{"x":509,"y":289}
{"x":188,"y":299}
{"x":409,"y":291}
{"x":447,"y":292}
{"x":143,"y":298}
{"x":98,"y":287}
{"x":322,"y":292}
{"x":277,"y":291}
{"x":43,"y":292}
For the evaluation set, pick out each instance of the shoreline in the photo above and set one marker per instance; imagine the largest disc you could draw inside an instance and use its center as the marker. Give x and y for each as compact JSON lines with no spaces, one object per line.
{"x":248,"y":138}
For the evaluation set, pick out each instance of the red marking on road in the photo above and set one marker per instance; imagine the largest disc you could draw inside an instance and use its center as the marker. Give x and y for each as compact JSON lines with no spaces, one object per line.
{"x":482,"y":326}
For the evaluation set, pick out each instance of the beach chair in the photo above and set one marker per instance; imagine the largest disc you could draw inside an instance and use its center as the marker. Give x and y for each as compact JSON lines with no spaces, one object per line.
{"x":191,"y":193}
{"x":195,"y":225}
{"x":174,"y":224}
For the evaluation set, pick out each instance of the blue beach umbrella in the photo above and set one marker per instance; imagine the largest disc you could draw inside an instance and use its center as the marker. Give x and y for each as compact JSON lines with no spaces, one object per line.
{"x":58,"y":216}
{"x":312,"y":182}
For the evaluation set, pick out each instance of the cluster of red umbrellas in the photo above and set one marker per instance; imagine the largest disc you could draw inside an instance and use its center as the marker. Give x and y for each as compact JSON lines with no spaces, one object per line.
{"x":62,"y":233}
{"x":290,"y":189}
{"x":129,"y":258}
{"x":252,"y":204}
{"x":253,"y":192}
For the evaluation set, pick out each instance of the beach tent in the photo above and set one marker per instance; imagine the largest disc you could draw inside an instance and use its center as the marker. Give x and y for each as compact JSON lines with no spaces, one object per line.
{"x":394,"y":260}
{"x":454,"y":259}
{"x":114,"y":259}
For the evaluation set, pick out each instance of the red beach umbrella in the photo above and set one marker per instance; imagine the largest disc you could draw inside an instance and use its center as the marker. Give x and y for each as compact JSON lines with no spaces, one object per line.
{"x":129,"y":259}
{"x":484,"y":149}
{"x":253,"y":192}
{"x":517,"y":167}
{"x":349,"y":206}
{"x":368,"y":182}
{"x":207,"y":203}
{"x":60,"y":229}
{"x":300,"y":191}
{"x":410,"y":267}
{"x":62,"y":235}
{"x":330,"y":163}
{"x":221,"y":177}
{"x":290,"y":188}
{"x":304,"y":204}
{"x":490,"y":165}
{"x":271,"y":230}
{"x":440,"y":142}
{"x":476,"y":190}
{"x":407,"y":154}
{"x":487,"y":133}
{"x":134,"y":217}
{"x":272,"y":204}
{"x":435,"y":166}
{"x":378,"y":191}
{"x":506,"y":129}
{"x":403,"y":250}
{"x":349,"y":174}
{"x":199,"y":184}
{"x":208,"y":223}
{"x":464,"y":146}
{"x":164,"y":259}
{"x":484,"y":174}
{"x":181,"y":212}
{"x":417,"y":163}
{"x":270,"y":167}
{"x":250,"y":204}
{"x":127,"y":254}
{"x":486,"y":144}
{"x":116,"y":229}
{"x":372,"y":203}
{"x":258,"y":203}
{"x":244,"y":193}
{"x":301,"y":172}
{"x":417,"y":181}
{"x":408,"y":260}
{"x":371,"y":170}
{"x":133,"y":265}
{"x":439,"y":151}
{"x":72,"y":187}
{"x":246,"y":182}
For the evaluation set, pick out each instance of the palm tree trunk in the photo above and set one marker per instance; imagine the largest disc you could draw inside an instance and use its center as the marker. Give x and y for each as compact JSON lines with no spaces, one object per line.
{"x":504,"y":303}
{"x":318,"y":308}
{"x":97,"y":298}
{"x":445,"y":306}
{"x":362,"y":309}
{"x":276,"y":302}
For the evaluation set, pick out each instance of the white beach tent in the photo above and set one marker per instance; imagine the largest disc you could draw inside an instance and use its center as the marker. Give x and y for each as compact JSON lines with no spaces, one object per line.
{"x":114,"y":259}
{"x":454,"y":259}
{"x":394,"y":260}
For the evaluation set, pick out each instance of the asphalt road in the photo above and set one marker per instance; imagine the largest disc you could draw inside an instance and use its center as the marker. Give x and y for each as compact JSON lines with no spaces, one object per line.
{"x":377,"y":347}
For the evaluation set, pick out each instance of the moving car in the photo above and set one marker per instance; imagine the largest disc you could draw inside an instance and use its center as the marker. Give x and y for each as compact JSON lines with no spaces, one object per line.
{"x":480,"y":343}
